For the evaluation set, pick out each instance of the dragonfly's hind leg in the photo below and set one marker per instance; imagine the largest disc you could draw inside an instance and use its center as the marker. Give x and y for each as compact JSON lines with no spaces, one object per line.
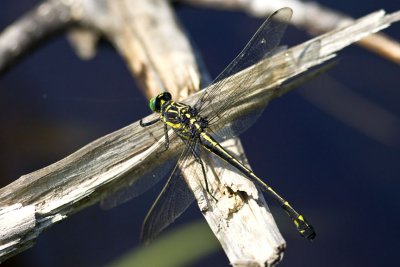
{"x":166,"y":136}
{"x":203,"y":169}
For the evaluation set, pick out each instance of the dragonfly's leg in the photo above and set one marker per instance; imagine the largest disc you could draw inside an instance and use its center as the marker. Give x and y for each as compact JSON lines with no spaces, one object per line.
{"x":203,"y":169}
{"x":145,"y":124}
{"x":166,"y":137}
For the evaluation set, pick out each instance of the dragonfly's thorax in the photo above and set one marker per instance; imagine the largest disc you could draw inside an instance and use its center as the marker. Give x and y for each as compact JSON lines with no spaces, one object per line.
{"x":183,"y":118}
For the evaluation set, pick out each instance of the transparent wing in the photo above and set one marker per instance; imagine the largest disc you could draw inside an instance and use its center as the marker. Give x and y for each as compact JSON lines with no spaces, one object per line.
{"x":172,"y":201}
{"x":243,"y":120}
{"x":228,"y":90}
{"x":138,"y":187}
{"x":262,"y":44}
{"x":133,"y":188}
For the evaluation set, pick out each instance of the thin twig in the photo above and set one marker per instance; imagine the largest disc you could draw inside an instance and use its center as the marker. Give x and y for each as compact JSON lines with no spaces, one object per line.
{"x":305,"y":16}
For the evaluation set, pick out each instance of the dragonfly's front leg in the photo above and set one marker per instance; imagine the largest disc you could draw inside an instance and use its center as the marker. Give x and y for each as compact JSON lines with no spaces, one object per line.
{"x":145,"y":124}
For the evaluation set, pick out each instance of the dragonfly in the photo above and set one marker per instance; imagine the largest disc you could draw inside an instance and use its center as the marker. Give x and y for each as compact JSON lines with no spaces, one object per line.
{"x":198,"y":127}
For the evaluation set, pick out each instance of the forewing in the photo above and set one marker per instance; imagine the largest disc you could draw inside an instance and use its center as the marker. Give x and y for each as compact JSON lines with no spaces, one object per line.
{"x":243,"y":120}
{"x":228,"y":90}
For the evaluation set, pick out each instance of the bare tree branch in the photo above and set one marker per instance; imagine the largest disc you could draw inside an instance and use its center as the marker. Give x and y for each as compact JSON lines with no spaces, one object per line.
{"x":44,"y":20}
{"x":305,"y":16}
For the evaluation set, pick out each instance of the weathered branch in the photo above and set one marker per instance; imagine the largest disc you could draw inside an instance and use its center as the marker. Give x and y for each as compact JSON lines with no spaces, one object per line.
{"x":43,"y":21}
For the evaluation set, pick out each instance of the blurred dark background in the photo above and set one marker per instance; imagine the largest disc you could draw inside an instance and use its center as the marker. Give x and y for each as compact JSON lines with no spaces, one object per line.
{"x":332,"y":147}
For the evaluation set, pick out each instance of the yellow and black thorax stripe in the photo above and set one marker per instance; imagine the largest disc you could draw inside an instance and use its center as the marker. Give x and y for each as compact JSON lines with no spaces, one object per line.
{"x":183,"y":118}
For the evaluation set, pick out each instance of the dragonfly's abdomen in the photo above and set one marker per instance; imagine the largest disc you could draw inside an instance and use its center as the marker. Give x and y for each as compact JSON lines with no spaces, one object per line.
{"x":304,"y":228}
{"x":213,"y":146}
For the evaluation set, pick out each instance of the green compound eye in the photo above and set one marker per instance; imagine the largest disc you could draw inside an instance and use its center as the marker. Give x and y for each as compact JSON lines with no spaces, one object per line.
{"x":152,"y":104}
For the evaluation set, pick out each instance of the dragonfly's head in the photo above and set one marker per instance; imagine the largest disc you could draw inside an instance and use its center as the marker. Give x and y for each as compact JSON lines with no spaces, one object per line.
{"x":157,"y":101}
